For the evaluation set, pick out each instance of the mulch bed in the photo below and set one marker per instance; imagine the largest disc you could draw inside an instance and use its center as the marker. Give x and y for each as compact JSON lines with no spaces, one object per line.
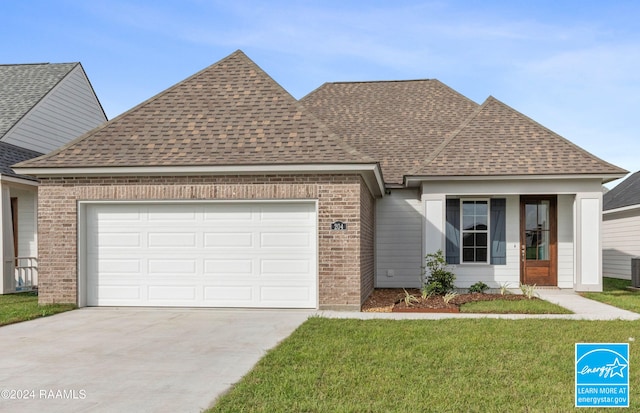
{"x":386,"y":300}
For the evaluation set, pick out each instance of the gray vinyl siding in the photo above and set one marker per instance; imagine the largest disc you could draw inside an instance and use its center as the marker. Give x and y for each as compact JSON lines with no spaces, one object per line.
{"x":67,"y":112}
{"x":399,"y":222}
{"x":620,"y":243}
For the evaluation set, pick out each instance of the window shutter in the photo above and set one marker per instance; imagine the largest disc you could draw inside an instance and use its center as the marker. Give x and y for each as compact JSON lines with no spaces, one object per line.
{"x":498,"y":232}
{"x":452,"y":247}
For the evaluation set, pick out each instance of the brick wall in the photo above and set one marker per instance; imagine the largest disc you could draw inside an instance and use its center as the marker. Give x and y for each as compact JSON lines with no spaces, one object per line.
{"x":345,"y":260}
{"x":367,"y":239}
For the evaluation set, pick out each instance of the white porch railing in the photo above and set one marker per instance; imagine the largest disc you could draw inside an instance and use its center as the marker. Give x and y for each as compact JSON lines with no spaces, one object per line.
{"x":26,"y":273}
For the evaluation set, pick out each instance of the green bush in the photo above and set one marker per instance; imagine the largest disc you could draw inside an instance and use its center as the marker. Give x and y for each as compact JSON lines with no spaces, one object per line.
{"x":439,"y":280}
{"x":478,"y":287}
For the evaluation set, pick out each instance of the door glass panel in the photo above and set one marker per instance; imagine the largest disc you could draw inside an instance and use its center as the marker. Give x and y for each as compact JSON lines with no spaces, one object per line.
{"x":531,"y":212}
{"x":543,"y":246}
{"x":543,"y":215}
{"x":537,"y":230}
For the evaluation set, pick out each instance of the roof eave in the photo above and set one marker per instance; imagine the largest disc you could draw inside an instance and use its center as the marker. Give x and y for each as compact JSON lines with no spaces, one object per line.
{"x":371,"y":172}
{"x":626,"y":208}
{"x":416,"y":180}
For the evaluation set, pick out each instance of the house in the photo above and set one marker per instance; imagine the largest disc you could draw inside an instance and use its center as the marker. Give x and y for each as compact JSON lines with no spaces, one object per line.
{"x":621,"y":228}
{"x":42,"y":106}
{"x":225,"y":191}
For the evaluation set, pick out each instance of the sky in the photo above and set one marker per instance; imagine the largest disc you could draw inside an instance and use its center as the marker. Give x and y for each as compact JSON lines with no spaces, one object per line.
{"x":571,"y":65}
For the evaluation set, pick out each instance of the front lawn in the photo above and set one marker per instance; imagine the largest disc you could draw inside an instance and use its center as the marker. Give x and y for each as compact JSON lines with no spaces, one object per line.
{"x":614,"y":292}
{"x":15,"y":308}
{"x":513,"y":307}
{"x":451,"y":365}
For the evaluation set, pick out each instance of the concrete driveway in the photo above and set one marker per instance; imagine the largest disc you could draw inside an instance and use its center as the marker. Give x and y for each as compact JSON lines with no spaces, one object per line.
{"x":134,"y":360}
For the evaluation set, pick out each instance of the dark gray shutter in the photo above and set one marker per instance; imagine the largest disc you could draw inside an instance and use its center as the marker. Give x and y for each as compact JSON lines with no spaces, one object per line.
{"x":452,"y":250}
{"x":498,"y":232}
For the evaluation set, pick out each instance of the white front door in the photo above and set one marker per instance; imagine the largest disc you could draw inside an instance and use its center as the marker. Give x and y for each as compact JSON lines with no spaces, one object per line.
{"x":240,"y":254}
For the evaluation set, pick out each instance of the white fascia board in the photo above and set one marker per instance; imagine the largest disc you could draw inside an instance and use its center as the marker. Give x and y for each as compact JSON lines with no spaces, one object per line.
{"x":370,"y":172}
{"x":16,"y":180}
{"x":417,"y":180}
{"x":621,"y":209}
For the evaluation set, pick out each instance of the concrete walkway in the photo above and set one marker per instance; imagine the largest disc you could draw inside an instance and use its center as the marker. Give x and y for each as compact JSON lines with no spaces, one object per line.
{"x":583,"y":308}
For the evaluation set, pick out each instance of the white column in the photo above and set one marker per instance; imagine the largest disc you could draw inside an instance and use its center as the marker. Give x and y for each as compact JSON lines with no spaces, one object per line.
{"x":588,"y":242}
{"x":6,"y":242}
{"x":434,"y":228}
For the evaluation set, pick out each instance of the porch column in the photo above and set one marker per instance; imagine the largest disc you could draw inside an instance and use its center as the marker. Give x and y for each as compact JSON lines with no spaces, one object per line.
{"x":434,"y":229}
{"x":6,"y":242}
{"x":588,"y":242}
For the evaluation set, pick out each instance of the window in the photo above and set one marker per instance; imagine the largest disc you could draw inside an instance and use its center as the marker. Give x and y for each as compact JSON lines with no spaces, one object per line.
{"x":475,"y":231}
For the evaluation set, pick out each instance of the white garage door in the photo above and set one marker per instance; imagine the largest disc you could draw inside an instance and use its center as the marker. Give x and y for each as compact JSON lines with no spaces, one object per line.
{"x":202,"y":254}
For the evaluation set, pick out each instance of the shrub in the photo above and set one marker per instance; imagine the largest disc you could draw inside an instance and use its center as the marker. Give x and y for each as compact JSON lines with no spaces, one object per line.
{"x":478,"y":287}
{"x":504,"y":288}
{"x":439,"y":279}
{"x":450,"y":296}
{"x":529,"y":290}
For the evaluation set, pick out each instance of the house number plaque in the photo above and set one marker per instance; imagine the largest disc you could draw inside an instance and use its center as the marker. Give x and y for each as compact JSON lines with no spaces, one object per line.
{"x":338,"y":226}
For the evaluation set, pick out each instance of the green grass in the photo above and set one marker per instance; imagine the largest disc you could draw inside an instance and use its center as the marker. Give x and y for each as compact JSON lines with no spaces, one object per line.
{"x":513,"y":307}
{"x":15,"y":308}
{"x":452,"y":365}
{"x":615,"y":293}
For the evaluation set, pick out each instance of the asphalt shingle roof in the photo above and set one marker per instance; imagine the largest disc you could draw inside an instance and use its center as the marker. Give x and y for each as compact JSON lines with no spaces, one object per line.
{"x":10,"y":155}
{"x":22,"y":86}
{"x":626,"y":193}
{"x":231,"y":113}
{"x":498,"y":140}
{"x":398,"y":123}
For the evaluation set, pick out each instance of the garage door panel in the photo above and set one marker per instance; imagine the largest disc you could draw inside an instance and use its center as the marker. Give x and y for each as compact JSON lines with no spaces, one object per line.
{"x":288,"y":267}
{"x":118,"y":240}
{"x":298,"y":240}
{"x":123,"y":294}
{"x":288,"y":213}
{"x":221,"y":267}
{"x":119,"y":266}
{"x":171,"y":266}
{"x":195,"y":254}
{"x":171,"y":293}
{"x":168,"y":214}
{"x":228,"y":240}
{"x":285,"y":296}
{"x":171,"y":239}
{"x":228,"y":295}
{"x":229,"y":213}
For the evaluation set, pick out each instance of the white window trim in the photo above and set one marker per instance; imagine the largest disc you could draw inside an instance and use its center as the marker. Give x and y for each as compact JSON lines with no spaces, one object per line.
{"x":462,"y":231}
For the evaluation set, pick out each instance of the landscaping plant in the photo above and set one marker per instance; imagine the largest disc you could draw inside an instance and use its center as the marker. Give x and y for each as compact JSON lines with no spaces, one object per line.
{"x":478,"y":287}
{"x":439,"y":280}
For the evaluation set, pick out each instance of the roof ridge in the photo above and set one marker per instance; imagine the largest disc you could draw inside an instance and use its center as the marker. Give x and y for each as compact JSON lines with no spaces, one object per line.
{"x":447,"y":140}
{"x":37,"y":64}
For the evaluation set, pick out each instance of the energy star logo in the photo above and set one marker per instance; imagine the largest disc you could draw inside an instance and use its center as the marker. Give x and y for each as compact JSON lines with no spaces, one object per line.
{"x":602,"y":375}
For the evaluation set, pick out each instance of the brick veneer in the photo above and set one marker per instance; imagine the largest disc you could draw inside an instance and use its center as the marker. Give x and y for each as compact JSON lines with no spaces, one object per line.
{"x":345,"y":257}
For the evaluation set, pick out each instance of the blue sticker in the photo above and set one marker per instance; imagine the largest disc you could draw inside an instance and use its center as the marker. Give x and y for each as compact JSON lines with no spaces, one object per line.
{"x":602,"y":375}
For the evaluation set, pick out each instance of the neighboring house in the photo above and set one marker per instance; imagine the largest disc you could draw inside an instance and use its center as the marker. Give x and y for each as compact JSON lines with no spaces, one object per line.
{"x":42,"y":106}
{"x":225,"y":191}
{"x":621,"y":228}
